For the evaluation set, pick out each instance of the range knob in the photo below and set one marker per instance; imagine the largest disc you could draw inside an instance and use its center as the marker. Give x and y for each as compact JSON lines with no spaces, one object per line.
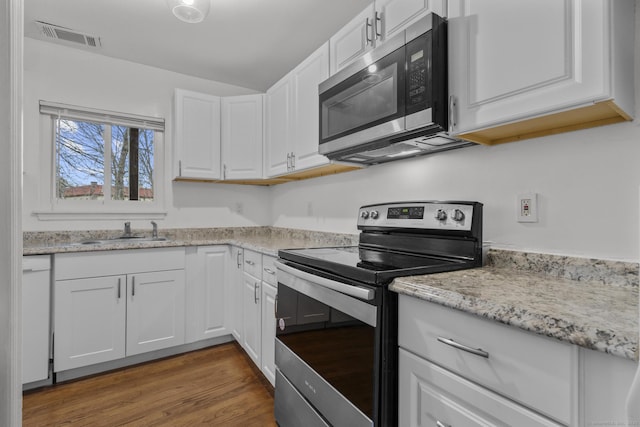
{"x":441,"y":215}
{"x":364,"y":214}
{"x":374,"y":214}
{"x":458,"y":215}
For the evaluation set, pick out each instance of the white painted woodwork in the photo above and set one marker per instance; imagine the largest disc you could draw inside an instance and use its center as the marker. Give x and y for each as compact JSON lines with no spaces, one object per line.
{"x":196,"y":135}
{"x":89,"y":321}
{"x":253,"y":263}
{"x":397,"y":15}
{"x":512,"y":61}
{"x":535,"y":371}
{"x":242,"y":136}
{"x":606,"y":381}
{"x":252,"y":331}
{"x":268,"y":337}
{"x":111,"y":263}
{"x":352,"y":41}
{"x":236,"y":293}
{"x":278,"y":127}
{"x":305,"y":114}
{"x":292,"y":117}
{"x":429,"y":395}
{"x":208,"y":290}
{"x":269,"y":270}
{"x":155,"y":311}
{"x":36,"y":289}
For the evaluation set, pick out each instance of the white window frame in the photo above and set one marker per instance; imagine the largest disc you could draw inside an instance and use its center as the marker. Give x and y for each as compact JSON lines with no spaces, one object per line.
{"x":63,"y":209}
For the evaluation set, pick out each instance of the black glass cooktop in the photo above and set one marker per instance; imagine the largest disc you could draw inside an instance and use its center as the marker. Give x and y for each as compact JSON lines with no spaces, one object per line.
{"x":369,"y":265}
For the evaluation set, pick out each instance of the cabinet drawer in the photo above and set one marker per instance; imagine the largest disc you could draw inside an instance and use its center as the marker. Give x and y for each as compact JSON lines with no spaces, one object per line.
{"x":430,"y":396}
{"x":253,"y":263}
{"x":269,"y":270}
{"x":530,"y":369}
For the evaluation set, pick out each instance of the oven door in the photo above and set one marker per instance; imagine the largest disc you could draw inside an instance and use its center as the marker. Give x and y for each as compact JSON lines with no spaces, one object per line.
{"x":326,"y":351}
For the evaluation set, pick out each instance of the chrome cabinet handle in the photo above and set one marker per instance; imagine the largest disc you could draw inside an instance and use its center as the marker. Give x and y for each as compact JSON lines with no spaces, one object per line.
{"x":452,"y":112}
{"x":133,"y":286}
{"x":367,"y":29}
{"x":224,"y":171}
{"x":179,"y":167}
{"x":293,"y":161}
{"x":378,"y":19}
{"x":119,"y":287}
{"x":452,"y":343}
{"x":238,"y":262}
{"x":255,"y":292}
{"x":269,"y":271}
{"x":288,"y":162}
{"x":248,"y":261}
{"x":439,"y":424}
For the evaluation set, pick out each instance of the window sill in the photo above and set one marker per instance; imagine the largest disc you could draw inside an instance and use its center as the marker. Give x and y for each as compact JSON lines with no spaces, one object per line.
{"x":96,"y":215}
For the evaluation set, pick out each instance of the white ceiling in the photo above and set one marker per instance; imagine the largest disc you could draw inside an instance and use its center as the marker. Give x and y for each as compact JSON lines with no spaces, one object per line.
{"x":248,"y":43}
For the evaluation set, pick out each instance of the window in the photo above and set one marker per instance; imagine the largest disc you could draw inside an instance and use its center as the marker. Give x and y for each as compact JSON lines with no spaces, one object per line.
{"x":103,"y":158}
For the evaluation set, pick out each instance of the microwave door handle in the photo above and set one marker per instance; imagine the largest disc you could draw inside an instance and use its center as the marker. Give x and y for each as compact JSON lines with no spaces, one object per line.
{"x":354,"y":291}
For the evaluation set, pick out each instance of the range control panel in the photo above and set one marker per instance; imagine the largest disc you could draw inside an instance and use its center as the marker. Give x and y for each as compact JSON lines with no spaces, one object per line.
{"x":422,"y":215}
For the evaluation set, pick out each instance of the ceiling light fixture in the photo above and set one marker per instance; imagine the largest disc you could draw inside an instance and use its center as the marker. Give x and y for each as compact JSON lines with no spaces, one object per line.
{"x":191,"y":11}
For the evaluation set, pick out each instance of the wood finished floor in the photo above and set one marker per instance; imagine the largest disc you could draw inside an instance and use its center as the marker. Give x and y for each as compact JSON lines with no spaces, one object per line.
{"x":217,"y":386}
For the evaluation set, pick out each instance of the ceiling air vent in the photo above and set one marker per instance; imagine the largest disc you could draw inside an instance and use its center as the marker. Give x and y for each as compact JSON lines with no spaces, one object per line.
{"x":66,"y":34}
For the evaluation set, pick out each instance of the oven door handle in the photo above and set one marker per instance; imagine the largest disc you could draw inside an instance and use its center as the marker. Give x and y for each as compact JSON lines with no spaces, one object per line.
{"x":354,"y":291}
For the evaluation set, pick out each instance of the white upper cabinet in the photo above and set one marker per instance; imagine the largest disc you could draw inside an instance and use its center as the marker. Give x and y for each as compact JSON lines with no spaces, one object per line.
{"x":196,"y":135}
{"x":242,"y":137}
{"x":306,"y":132}
{"x":278,"y":127}
{"x":525,"y":69}
{"x":291,"y":128}
{"x":378,"y":22}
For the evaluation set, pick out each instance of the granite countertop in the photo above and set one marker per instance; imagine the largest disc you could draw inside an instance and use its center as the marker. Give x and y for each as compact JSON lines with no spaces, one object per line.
{"x":266,"y":240}
{"x":590,"y":303}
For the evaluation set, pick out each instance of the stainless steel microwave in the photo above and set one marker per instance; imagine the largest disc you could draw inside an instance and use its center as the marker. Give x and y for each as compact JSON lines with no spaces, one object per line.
{"x":392,"y":102}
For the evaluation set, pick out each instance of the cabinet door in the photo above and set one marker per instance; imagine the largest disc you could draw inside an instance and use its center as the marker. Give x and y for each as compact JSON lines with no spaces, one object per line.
{"x":36,"y":286}
{"x":396,"y":15}
{"x":278,"y":127}
{"x":268,"y":332}
{"x":306,"y":134}
{"x":237,"y":293}
{"x":242,"y":137}
{"x":352,"y":41}
{"x":89,"y":321}
{"x":515,"y":60}
{"x":197,"y":135}
{"x":430,"y":396}
{"x":208,"y":294}
{"x":155,"y":311}
{"x":251,"y":311}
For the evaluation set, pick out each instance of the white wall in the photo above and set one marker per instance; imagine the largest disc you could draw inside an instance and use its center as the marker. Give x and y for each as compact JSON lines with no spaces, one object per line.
{"x":72,"y":76}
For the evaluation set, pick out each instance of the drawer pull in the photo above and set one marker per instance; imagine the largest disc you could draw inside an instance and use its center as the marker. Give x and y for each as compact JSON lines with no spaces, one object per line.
{"x":270,"y":271}
{"x":452,"y":343}
{"x":248,"y":261}
{"x":439,"y":424}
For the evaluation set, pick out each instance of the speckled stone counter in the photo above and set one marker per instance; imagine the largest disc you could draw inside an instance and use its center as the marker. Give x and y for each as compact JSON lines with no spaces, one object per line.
{"x":267,"y":240}
{"x":590,"y":303}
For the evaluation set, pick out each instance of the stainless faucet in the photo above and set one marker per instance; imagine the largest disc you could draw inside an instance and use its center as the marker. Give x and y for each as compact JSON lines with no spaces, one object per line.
{"x":127,"y":229}
{"x":154,"y":233}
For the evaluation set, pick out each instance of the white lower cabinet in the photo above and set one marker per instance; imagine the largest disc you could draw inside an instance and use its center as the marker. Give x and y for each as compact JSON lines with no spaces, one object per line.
{"x":432,"y":396}
{"x":268,"y":367}
{"x":209,"y":292}
{"x":36,"y":288}
{"x":101,"y":316}
{"x":457,"y":369}
{"x":237,"y":321}
{"x":251,"y":341}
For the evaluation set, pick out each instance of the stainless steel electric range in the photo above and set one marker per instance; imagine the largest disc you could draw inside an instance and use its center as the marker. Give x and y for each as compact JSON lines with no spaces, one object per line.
{"x":336,"y":333}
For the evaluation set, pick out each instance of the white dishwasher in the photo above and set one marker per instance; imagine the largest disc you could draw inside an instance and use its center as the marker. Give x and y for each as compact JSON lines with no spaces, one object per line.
{"x":36,"y":289}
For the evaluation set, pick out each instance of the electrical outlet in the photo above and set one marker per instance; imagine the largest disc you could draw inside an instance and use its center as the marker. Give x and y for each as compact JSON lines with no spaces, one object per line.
{"x":527,"y":207}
